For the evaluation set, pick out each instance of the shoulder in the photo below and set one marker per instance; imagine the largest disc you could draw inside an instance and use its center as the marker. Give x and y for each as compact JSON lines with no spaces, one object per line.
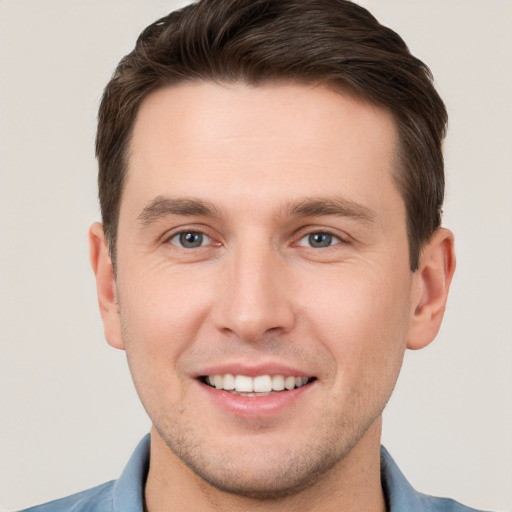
{"x":434,"y":504}
{"x":402,"y":497}
{"x":123,"y":495}
{"x":97,"y":499}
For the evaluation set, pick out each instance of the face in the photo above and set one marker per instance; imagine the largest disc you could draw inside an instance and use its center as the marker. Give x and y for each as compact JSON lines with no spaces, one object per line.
{"x":262,"y":245}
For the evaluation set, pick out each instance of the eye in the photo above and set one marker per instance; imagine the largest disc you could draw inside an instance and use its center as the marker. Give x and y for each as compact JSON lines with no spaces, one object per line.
{"x":190,"y":239}
{"x":319,"y":240}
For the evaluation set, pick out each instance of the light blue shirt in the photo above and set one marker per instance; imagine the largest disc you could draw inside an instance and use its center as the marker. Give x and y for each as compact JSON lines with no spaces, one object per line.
{"x":127,"y":493}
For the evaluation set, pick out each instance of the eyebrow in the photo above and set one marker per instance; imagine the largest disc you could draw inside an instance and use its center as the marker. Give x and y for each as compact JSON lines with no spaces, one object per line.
{"x":337,"y":206}
{"x":161,"y":207}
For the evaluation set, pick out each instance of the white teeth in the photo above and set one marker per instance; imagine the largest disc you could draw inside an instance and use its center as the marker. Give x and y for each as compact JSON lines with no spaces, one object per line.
{"x":262,"y":384}
{"x":229,"y":382}
{"x":244,"y":384}
{"x":218,"y":381}
{"x":300,"y":381}
{"x":259,"y":384}
{"x":289,"y":383}
{"x":278,"y":383}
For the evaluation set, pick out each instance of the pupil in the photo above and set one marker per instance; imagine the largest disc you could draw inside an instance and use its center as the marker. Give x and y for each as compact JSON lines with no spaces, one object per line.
{"x":320,"y":240}
{"x":191,"y":239}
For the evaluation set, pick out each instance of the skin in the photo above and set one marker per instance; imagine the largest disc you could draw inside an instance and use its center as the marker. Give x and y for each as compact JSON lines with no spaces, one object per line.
{"x":257,"y":294}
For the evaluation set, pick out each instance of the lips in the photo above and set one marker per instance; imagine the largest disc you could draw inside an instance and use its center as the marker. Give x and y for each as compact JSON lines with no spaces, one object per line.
{"x":256,"y":392}
{"x":265,"y":383}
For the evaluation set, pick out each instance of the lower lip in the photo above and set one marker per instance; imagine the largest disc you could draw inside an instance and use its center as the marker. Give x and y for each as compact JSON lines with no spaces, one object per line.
{"x":256,"y":406}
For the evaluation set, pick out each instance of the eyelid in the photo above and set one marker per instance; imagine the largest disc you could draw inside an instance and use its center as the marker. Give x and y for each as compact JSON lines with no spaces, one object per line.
{"x":336,"y":240}
{"x":310,"y":230}
{"x":204,"y":241}
{"x":169,"y":235}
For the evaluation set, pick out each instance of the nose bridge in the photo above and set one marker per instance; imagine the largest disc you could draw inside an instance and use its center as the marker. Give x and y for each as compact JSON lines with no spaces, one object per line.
{"x":254,"y":298}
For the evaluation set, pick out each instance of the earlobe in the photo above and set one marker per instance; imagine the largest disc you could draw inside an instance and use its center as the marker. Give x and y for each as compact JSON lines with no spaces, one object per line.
{"x":105,"y":285}
{"x":431,"y":285}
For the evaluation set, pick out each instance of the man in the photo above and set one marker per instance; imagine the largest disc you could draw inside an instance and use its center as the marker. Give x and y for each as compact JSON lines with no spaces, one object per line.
{"x":271,"y":182}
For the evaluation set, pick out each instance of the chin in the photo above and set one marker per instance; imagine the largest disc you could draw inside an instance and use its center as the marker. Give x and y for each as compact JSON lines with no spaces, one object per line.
{"x":266,"y":480}
{"x":263,"y":471}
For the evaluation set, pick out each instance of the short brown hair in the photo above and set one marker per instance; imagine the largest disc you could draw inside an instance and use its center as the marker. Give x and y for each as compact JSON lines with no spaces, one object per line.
{"x":332,"y":42}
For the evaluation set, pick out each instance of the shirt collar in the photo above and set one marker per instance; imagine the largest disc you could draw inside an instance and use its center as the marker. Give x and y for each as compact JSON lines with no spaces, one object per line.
{"x":128,"y":492}
{"x":399,"y":493}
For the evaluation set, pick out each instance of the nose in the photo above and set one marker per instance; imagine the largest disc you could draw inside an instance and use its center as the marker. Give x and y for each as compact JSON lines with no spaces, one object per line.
{"x":254,"y":295}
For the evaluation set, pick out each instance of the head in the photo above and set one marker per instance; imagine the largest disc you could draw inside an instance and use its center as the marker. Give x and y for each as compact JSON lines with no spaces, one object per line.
{"x":271,"y":182}
{"x":335,"y":43}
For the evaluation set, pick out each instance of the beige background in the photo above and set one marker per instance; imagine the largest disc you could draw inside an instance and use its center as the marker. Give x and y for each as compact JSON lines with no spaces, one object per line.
{"x":69,"y":417}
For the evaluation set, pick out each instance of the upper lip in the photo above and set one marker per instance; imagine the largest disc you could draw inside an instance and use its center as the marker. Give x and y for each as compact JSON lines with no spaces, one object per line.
{"x":271,"y":368}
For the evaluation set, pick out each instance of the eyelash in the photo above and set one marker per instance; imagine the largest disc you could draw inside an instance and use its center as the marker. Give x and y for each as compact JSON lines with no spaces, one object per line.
{"x":334,"y":239}
{"x":184,"y":232}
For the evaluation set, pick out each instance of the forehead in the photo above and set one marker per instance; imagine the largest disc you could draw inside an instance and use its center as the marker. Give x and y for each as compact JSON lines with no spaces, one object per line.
{"x":259,"y":140}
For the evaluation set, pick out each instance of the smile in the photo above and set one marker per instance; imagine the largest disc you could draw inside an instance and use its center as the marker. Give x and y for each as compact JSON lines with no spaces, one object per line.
{"x":259,"y":384}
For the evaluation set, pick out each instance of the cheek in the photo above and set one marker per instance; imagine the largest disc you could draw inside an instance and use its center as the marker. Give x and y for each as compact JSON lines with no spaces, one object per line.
{"x":164,"y":305}
{"x":155,"y":338}
{"x":161,"y":316}
{"x":362,"y":319}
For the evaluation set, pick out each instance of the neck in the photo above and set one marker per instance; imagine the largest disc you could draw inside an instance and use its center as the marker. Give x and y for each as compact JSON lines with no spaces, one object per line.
{"x":353,"y":484}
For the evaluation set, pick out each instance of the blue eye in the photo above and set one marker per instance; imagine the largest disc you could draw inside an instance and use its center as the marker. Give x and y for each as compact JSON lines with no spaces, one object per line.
{"x":190,"y":239}
{"x":319,"y":240}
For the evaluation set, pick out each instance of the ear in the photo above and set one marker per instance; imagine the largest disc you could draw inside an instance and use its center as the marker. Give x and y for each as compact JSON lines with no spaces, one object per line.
{"x":431,"y":284}
{"x":105,"y":285}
